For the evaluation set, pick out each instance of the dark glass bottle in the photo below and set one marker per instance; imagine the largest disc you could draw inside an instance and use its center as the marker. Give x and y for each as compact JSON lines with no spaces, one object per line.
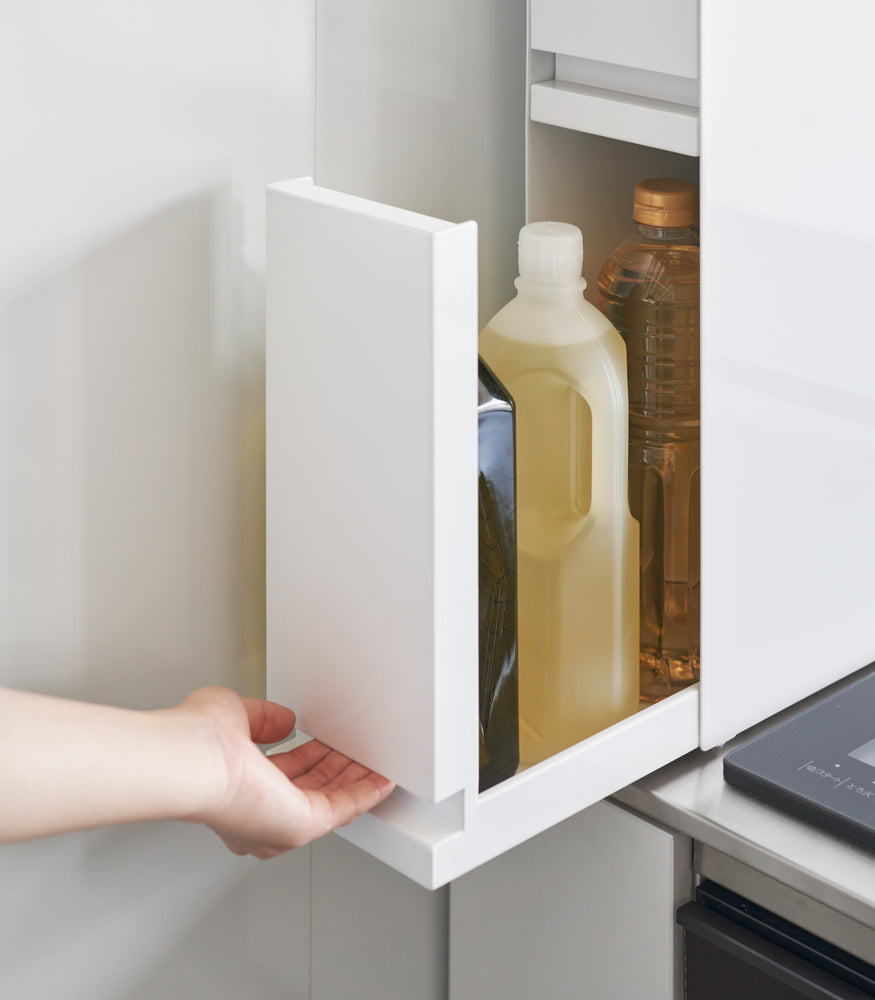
{"x":499,"y":698}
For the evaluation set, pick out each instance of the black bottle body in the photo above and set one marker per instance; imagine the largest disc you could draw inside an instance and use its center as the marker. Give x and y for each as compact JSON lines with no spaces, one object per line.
{"x":499,"y":692}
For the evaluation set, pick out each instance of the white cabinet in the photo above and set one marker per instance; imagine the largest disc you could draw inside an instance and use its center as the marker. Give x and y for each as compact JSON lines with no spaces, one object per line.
{"x":371,"y":466}
{"x":788,"y":436}
{"x":374,"y":934}
{"x":586,"y":909}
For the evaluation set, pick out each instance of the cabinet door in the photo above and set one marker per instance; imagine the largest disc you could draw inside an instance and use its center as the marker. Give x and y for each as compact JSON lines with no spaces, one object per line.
{"x":374,"y":935}
{"x":788,"y":434}
{"x":371,"y":481}
{"x":586,"y":909}
{"x":372,"y":535}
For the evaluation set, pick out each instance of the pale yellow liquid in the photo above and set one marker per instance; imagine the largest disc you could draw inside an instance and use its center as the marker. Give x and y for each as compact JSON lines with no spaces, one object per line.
{"x":577,"y":542}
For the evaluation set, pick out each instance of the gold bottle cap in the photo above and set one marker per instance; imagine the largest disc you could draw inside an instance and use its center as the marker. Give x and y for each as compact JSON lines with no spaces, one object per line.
{"x":666,"y":203}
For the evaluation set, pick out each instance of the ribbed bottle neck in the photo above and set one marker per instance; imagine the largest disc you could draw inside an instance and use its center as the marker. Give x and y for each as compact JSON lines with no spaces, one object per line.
{"x":667,"y":234}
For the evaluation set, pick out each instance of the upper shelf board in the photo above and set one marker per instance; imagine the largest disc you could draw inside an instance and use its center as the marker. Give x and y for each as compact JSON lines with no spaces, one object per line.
{"x":631,"y":118}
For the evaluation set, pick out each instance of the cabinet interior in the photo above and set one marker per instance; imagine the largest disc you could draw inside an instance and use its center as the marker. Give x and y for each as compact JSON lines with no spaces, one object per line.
{"x":588,"y":180}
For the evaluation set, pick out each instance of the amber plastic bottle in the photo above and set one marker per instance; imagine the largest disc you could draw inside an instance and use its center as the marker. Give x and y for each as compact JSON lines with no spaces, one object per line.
{"x":649,"y":289}
{"x":499,"y":695}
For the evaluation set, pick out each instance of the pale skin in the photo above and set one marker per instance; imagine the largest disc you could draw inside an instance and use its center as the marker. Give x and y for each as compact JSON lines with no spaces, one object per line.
{"x":68,"y":765}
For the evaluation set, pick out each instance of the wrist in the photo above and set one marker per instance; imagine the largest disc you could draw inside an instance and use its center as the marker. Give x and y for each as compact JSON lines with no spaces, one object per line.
{"x":197,"y":787}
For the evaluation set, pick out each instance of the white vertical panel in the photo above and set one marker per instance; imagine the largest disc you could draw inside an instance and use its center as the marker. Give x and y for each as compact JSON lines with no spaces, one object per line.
{"x":371,"y":488}
{"x":375,"y":934}
{"x":152,"y":910}
{"x":136,"y":144}
{"x":788,"y":432}
{"x":586,"y":909}
{"x":136,"y":148}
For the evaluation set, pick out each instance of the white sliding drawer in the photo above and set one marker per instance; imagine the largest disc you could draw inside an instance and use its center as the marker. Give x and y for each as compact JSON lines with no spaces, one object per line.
{"x":656,"y":37}
{"x":626,"y":70}
{"x":372,"y":535}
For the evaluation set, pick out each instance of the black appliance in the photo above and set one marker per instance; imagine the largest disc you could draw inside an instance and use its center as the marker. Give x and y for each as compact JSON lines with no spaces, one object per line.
{"x":735,"y":949}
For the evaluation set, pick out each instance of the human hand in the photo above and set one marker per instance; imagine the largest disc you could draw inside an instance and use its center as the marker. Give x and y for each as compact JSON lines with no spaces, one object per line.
{"x":263,"y":805}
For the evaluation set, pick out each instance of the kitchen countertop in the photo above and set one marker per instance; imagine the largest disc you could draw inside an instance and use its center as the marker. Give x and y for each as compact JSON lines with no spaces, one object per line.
{"x":691,"y":796}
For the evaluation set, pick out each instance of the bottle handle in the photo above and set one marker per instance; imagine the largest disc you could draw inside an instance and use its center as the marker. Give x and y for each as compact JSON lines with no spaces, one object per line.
{"x":609,"y":403}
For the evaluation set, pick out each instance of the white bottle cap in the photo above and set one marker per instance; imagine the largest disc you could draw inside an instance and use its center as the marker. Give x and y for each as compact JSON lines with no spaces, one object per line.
{"x":550,"y":251}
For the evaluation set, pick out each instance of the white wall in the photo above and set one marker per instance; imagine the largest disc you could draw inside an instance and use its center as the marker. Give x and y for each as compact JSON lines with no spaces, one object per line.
{"x":136,"y":143}
{"x":137,"y":140}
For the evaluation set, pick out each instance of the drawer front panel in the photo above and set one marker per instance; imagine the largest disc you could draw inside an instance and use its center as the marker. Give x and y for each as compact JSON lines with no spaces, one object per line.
{"x":371,"y":482}
{"x":660,"y":38}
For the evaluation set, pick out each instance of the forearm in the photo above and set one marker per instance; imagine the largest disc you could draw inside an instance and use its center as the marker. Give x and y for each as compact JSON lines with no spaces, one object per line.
{"x":67,"y":765}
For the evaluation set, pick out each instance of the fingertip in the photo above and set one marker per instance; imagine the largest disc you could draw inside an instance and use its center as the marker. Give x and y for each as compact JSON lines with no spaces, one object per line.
{"x":385,"y":787}
{"x":269,"y":722}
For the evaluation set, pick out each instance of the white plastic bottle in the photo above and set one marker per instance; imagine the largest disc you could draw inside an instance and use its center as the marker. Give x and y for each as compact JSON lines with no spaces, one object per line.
{"x":564,"y":364}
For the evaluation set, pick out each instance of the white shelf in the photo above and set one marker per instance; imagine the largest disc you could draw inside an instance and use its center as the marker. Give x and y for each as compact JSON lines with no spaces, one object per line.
{"x":434,"y":844}
{"x":643,"y":120}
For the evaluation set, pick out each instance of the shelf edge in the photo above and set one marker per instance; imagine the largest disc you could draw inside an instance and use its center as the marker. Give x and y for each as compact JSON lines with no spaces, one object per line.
{"x":535,"y":799}
{"x":642,"y":120}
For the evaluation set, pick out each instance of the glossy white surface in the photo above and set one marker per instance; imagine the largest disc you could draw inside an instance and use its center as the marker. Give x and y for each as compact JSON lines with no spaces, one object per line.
{"x":660,"y":37}
{"x":137,"y":141}
{"x":788,"y":437}
{"x":372,"y":482}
